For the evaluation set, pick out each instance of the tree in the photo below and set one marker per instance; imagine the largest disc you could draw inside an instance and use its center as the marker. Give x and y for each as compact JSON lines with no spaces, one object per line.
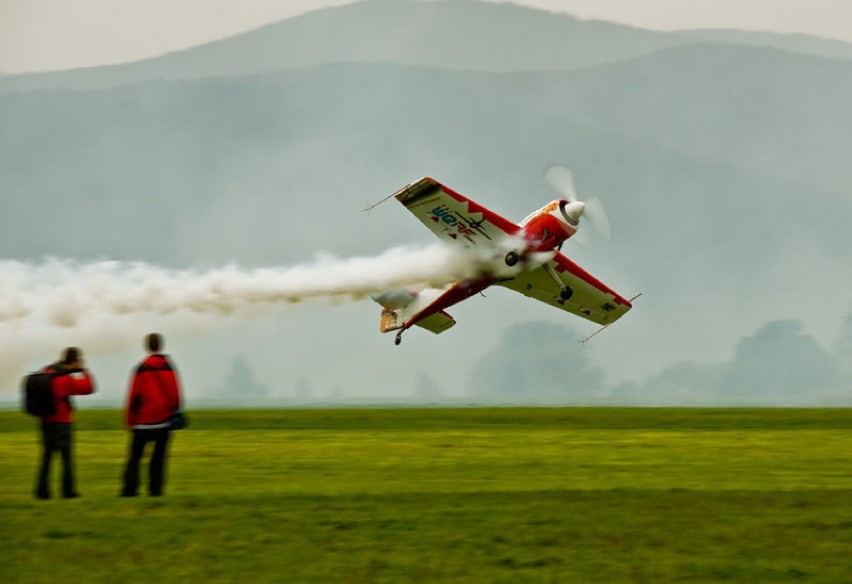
{"x":240,"y":382}
{"x":842,"y":355}
{"x":427,"y":389}
{"x":679,"y":384}
{"x":536,"y":362}
{"x":304,"y":390}
{"x":778,"y":360}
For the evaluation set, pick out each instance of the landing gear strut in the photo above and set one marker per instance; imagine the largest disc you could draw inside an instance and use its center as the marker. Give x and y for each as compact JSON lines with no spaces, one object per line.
{"x":565,"y":292}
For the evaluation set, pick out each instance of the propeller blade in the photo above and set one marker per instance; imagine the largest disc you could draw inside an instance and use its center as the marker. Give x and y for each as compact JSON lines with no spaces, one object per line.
{"x":597,"y":216}
{"x":580,"y":238}
{"x":562,"y":181}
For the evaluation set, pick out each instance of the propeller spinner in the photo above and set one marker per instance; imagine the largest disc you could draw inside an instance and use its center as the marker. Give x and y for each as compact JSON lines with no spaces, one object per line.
{"x":562,"y":180}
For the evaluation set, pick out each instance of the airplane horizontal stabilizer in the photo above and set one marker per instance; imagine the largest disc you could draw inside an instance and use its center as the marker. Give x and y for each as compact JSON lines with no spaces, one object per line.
{"x":437,"y":323}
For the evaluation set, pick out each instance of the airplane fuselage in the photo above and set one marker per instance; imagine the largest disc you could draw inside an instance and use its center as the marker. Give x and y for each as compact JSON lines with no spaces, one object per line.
{"x":523,"y":257}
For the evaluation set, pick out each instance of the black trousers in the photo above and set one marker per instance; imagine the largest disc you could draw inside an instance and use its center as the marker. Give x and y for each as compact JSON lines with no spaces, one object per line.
{"x":55,"y":436}
{"x":157,"y":467}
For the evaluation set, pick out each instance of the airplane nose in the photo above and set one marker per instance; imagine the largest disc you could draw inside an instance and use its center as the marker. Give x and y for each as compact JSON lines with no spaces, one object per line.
{"x":574,"y":210}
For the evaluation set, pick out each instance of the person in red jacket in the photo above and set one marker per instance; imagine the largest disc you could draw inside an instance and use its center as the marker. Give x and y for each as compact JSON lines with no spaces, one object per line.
{"x":154,"y":395}
{"x":71,"y":379}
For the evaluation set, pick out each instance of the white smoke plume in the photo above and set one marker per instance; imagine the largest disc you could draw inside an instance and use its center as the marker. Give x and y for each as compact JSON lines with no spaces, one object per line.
{"x":102,"y":306}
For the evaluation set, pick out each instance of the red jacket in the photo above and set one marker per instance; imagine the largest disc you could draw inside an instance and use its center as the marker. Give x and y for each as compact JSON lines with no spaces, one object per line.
{"x":154,"y":393}
{"x":64,"y":386}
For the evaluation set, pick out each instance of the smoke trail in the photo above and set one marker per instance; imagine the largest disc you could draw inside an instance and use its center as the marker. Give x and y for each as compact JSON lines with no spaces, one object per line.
{"x":103,"y":305}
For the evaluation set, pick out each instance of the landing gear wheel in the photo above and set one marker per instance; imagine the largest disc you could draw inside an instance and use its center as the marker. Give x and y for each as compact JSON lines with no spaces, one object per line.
{"x":398,"y":338}
{"x":511,"y":258}
{"x":566,"y":293}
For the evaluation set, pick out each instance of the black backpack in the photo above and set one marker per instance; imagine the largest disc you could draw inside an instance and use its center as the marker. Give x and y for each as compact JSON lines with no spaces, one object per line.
{"x":38,"y":398}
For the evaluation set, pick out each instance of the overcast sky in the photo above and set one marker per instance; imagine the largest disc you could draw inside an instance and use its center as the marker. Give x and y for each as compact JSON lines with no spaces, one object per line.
{"x":59,"y":34}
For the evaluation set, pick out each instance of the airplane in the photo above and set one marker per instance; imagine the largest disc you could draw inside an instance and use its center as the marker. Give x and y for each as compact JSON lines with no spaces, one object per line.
{"x":525,"y":257}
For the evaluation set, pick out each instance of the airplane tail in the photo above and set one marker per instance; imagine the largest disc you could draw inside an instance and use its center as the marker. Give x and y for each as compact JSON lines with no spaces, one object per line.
{"x":398,"y":306}
{"x":436,"y":323}
{"x":389,"y":322}
{"x":393,"y":302}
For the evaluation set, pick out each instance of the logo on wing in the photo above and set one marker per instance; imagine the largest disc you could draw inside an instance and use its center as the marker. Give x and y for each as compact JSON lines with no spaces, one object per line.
{"x":464,"y":226}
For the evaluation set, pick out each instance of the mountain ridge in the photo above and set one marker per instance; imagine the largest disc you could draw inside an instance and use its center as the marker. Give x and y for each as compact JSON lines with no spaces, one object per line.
{"x":507,"y":37}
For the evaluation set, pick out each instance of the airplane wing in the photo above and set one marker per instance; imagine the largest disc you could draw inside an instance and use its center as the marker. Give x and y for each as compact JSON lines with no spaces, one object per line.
{"x":453,"y":217}
{"x":591,"y":298}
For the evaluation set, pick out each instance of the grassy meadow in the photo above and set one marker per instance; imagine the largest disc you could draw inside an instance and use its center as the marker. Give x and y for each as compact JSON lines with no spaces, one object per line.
{"x":445,"y":495}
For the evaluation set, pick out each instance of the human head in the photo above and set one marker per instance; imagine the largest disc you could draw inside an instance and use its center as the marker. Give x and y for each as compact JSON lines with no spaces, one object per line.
{"x":71,"y":356}
{"x":154,"y":342}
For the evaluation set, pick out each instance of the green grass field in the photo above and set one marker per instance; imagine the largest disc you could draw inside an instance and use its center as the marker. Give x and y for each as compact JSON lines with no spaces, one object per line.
{"x":446,"y":495}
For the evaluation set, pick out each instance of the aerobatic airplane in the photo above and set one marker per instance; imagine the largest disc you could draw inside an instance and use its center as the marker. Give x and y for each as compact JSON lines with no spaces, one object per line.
{"x":527,"y":256}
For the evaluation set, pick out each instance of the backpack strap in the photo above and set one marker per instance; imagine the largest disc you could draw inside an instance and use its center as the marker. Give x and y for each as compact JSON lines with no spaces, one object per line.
{"x":56,"y":370}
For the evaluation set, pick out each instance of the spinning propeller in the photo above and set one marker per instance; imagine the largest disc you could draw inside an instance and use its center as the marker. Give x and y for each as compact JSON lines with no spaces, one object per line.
{"x":562,"y":180}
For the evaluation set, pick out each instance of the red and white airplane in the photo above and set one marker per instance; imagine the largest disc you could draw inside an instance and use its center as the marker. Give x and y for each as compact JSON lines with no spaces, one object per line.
{"x":527,"y":256}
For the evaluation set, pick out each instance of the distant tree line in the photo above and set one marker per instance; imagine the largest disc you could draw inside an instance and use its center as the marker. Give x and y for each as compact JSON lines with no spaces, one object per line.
{"x":780,"y":364}
{"x":239,"y":383}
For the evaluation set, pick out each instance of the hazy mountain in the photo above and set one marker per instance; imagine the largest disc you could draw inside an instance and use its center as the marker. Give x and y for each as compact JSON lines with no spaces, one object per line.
{"x":717,"y":139}
{"x":753,"y":108}
{"x":724,"y":169}
{"x":796,"y":43}
{"x":447,"y":34}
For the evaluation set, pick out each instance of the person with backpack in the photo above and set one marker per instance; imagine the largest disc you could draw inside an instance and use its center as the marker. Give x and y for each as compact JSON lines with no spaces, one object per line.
{"x":62,"y":380}
{"x":153,"y":399}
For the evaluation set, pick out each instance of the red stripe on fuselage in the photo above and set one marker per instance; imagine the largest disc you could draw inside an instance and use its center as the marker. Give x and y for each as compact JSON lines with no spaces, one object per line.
{"x":455,"y":294}
{"x":535,"y":236}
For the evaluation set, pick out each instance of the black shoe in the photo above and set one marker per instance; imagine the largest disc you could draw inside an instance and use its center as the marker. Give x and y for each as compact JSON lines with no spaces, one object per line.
{"x":42,"y":496}
{"x":70,"y":495}
{"x":127,"y":495}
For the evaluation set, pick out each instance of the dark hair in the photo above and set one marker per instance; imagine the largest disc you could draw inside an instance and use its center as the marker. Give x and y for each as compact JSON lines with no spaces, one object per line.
{"x":154,"y":342}
{"x":70,"y":355}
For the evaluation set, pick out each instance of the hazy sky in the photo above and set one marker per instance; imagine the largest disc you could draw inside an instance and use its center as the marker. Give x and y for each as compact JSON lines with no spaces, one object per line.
{"x":59,"y":34}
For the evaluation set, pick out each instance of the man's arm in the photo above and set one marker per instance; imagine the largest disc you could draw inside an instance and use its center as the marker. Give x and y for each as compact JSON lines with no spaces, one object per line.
{"x":78,"y":383}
